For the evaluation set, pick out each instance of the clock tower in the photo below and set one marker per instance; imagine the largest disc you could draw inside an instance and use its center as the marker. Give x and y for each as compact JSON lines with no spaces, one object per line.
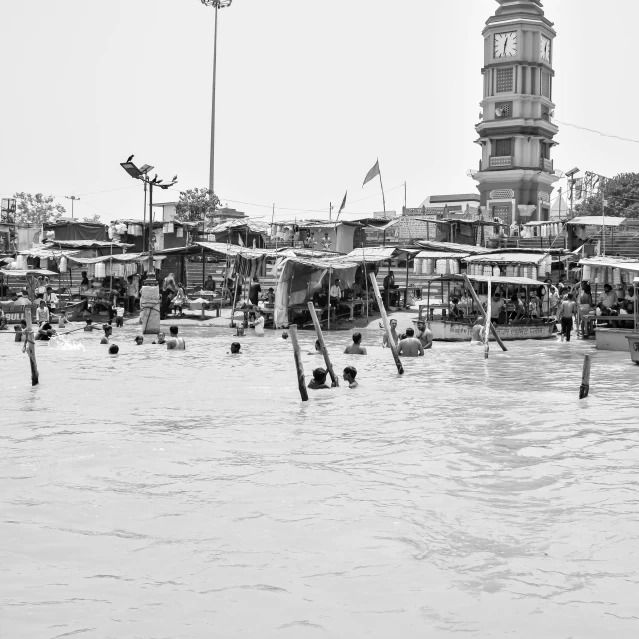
{"x":516,"y":132}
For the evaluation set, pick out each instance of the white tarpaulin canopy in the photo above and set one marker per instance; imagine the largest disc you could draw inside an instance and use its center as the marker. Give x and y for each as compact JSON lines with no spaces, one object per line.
{"x":507,"y":258}
{"x":440,"y":255}
{"x":597,"y":220}
{"x":610,"y":263}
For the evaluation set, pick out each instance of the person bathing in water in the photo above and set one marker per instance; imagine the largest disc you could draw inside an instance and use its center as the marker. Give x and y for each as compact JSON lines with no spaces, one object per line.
{"x":395,"y":336}
{"x":319,"y":380}
{"x":410,"y":346}
{"x":356,"y":347}
{"x":350,"y":373}
{"x":175,"y":343}
{"x":478,"y":332}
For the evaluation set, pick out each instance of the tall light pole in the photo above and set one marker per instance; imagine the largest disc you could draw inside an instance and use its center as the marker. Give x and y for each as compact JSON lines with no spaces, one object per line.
{"x":73,"y":198}
{"x":217,"y":4}
{"x":150,"y":295}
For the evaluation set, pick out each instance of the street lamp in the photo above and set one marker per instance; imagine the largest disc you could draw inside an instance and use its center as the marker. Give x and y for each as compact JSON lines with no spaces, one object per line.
{"x":217,"y":4}
{"x":150,"y":297}
{"x":73,"y":199}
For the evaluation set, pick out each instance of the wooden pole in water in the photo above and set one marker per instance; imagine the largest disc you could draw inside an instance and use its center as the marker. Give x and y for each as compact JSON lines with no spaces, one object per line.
{"x":320,"y":337}
{"x":489,"y":307}
{"x":585,"y":378}
{"x":471,"y":290}
{"x":301,"y":381}
{"x":391,"y":343}
{"x":30,"y":347}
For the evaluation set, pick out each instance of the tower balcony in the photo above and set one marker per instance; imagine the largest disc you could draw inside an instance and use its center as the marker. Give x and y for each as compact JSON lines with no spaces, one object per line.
{"x":547,"y":165}
{"x":501,"y":161}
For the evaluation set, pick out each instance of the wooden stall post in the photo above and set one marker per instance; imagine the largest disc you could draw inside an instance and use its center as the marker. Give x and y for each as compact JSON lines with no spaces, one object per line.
{"x":301,"y":381}
{"x":320,"y":337}
{"x":391,"y":343}
{"x":584,"y":389}
{"x":471,"y":290}
{"x":29,"y":346}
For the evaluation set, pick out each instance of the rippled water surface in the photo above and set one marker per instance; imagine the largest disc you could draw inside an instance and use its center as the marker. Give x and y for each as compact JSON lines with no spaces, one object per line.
{"x":191,"y":494}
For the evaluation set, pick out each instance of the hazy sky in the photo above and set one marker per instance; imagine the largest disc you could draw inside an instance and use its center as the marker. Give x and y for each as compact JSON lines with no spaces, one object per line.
{"x":309,"y":95}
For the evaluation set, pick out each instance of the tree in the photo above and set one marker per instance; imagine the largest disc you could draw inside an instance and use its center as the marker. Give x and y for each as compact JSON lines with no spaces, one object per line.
{"x":36,"y":210}
{"x":622,"y":196}
{"x":196,"y":205}
{"x":93,"y":219}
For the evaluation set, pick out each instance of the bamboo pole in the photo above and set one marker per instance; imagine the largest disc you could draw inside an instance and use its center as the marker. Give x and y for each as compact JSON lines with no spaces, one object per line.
{"x":585,"y":378}
{"x":489,"y":308}
{"x":301,"y":381}
{"x":391,"y":343}
{"x":29,"y":347}
{"x":320,"y":337}
{"x":482,"y":311}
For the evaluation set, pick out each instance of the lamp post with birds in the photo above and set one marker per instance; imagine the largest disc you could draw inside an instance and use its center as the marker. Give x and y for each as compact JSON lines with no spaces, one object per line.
{"x":150,"y":294}
{"x":217,"y":4}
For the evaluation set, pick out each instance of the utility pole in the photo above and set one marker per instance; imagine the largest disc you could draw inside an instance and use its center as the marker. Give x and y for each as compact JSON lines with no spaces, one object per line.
{"x":73,"y":198}
{"x":330,"y":211}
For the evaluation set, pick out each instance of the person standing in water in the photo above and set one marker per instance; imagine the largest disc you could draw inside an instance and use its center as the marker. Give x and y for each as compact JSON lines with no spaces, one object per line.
{"x":356,"y":347}
{"x":350,"y":373}
{"x":567,"y":310}
{"x":410,"y":346}
{"x":394,"y":335}
{"x":175,"y":343}
{"x":478,"y":332}
{"x":424,"y":335}
{"x":319,"y":380}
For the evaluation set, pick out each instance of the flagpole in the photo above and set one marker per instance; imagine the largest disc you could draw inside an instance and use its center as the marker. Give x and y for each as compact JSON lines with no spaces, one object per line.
{"x":380,"y":183}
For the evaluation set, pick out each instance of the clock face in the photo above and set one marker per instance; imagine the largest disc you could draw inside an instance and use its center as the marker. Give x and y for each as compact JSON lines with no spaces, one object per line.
{"x":506,"y":44}
{"x":545,"y":48}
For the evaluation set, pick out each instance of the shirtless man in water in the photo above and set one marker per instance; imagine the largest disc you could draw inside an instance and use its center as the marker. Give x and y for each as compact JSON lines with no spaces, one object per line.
{"x":478,"y":332}
{"x":175,"y":343}
{"x":393,"y":330}
{"x":410,"y":346}
{"x":356,"y":347}
{"x":424,"y":335}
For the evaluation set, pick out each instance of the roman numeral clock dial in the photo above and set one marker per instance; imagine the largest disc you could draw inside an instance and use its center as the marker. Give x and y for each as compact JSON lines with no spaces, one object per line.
{"x":545,"y":48}
{"x":506,"y":44}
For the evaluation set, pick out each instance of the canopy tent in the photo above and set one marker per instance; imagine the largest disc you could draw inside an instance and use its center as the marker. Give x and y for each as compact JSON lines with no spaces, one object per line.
{"x":287,"y":251}
{"x":122,"y":257}
{"x":224,"y":249}
{"x":46,"y":252}
{"x":377,"y":254}
{"x":86,"y":244}
{"x":440,"y":255}
{"x":452,"y":247}
{"x":77,"y":231}
{"x":301,"y":277}
{"x":341,"y":233}
{"x":244,"y":232}
{"x":607,"y":262}
{"x":596,"y":220}
{"x":32,"y":271}
{"x":519,"y":281}
{"x":508,"y":258}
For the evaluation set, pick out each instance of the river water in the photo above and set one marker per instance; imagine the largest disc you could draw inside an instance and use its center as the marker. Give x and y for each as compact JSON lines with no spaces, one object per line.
{"x":191,"y":494}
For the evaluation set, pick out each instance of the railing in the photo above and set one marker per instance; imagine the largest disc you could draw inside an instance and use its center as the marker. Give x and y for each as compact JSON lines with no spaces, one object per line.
{"x":547,"y":165}
{"x":501,"y":160}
